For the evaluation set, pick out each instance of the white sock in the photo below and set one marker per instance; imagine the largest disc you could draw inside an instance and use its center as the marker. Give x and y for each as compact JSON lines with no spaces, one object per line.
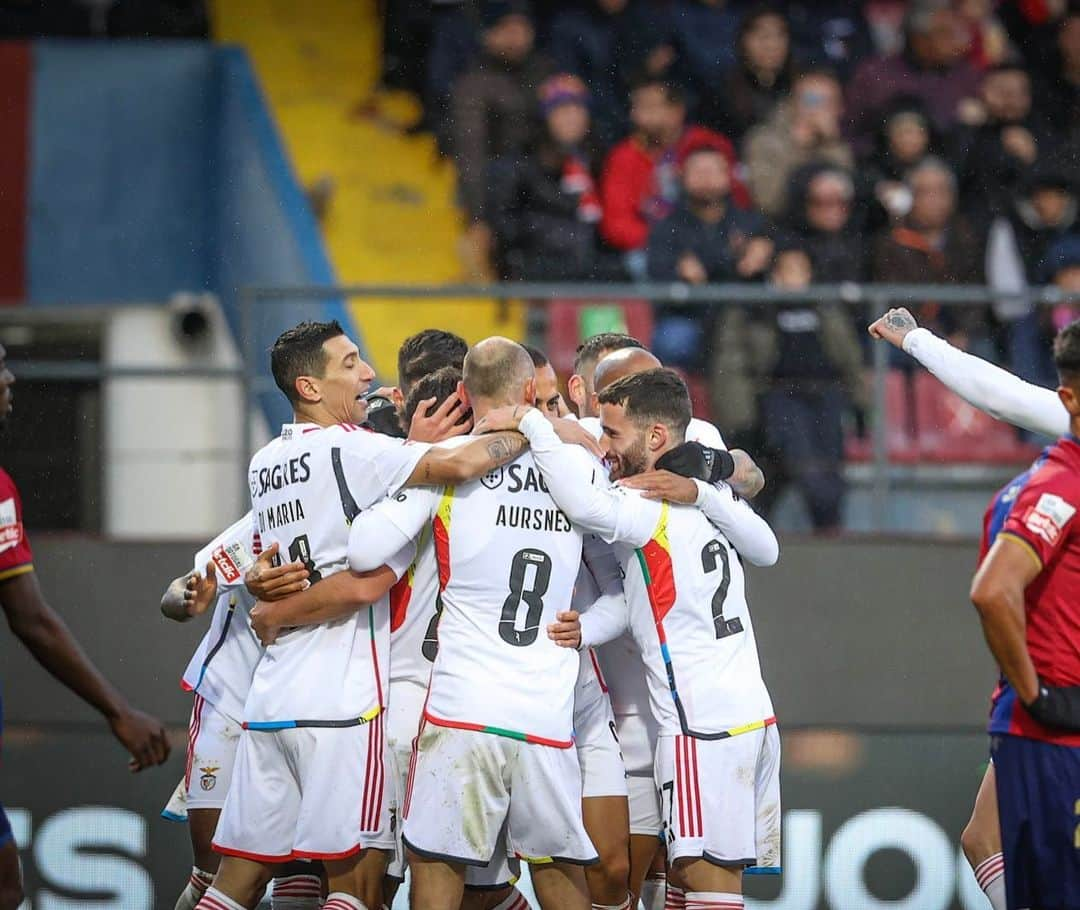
{"x":990,"y":874}
{"x":339,"y":900}
{"x":216,"y":900}
{"x":713,"y":900}
{"x":515,"y":900}
{"x":675,"y":898}
{"x":196,"y":888}
{"x":297,"y":892}
{"x":625,"y":905}
{"x":652,"y":893}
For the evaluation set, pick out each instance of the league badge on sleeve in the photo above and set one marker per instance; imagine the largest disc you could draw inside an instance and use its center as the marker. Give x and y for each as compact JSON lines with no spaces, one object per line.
{"x":11,"y":529}
{"x":1049,"y":516}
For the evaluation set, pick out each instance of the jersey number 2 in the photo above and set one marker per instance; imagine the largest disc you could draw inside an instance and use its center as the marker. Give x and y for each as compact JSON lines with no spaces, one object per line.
{"x":713,"y":556}
{"x":533,"y":597}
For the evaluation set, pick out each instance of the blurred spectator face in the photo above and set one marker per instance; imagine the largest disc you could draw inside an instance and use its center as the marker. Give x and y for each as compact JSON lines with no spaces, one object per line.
{"x":828,"y":202}
{"x":568,"y":124}
{"x":1069,"y":41}
{"x":818,"y":96}
{"x":1068,"y":279}
{"x":792,"y":269}
{"x":706,"y":178}
{"x":909,"y":139}
{"x":654,"y":115}
{"x":1051,"y":203}
{"x":765,"y":43}
{"x":1007,"y":95}
{"x":933,"y":198}
{"x":943,"y":42}
{"x":612,"y":7}
{"x":511,"y":38}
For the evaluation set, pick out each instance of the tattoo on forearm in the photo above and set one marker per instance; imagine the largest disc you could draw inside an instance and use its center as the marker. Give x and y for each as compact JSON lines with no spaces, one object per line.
{"x":505,"y":447}
{"x":900,"y":321}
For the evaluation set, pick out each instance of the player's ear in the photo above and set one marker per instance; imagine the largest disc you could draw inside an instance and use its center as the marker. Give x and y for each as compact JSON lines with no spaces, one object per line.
{"x":657,"y":437}
{"x":575,"y":388}
{"x":528,"y":391}
{"x":398,"y":399}
{"x":307,"y":388}
{"x":1070,"y":399}
{"x":462,"y":395}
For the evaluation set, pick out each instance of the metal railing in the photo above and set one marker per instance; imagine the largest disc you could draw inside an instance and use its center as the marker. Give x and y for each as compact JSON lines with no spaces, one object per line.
{"x":872,"y":299}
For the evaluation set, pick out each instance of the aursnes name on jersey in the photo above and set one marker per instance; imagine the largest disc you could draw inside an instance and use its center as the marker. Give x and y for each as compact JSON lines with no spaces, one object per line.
{"x":533,"y":519}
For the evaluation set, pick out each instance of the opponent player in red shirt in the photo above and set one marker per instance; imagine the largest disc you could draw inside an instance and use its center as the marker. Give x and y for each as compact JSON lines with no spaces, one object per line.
{"x":51,"y":643}
{"x":1027,"y":592}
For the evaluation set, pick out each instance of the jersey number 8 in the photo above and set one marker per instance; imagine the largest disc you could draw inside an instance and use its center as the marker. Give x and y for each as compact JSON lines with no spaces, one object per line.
{"x":533,"y":597}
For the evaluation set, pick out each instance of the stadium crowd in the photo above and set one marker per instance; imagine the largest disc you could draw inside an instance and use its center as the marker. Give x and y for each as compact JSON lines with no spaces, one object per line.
{"x":706,"y":141}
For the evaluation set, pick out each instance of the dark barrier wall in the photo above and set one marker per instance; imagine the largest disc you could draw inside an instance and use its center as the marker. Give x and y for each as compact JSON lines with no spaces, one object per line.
{"x":874,"y":633}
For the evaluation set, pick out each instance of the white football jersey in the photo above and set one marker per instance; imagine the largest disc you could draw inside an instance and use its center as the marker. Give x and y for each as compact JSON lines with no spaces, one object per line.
{"x":221,"y":667}
{"x":686,"y":592}
{"x":507,"y":561}
{"x":415,"y":605}
{"x":307,"y":487}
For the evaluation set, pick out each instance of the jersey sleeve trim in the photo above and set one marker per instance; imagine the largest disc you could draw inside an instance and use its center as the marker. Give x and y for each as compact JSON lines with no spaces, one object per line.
{"x":15,"y":571}
{"x":1028,"y":548}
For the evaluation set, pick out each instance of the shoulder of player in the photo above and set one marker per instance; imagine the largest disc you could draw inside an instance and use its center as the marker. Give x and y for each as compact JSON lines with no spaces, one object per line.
{"x":704,"y":432}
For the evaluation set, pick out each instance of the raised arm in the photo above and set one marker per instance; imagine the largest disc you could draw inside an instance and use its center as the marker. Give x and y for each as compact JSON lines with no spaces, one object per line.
{"x":440,"y":466}
{"x":987,"y":387}
{"x":384,"y":530}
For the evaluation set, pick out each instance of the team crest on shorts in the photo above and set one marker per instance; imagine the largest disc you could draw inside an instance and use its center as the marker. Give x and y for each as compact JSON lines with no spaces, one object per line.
{"x":493,"y":479}
{"x":209,"y":777}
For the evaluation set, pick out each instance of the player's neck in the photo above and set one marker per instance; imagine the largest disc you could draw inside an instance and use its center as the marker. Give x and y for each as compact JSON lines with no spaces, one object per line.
{"x":317,"y":415}
{"x":481,"y":406}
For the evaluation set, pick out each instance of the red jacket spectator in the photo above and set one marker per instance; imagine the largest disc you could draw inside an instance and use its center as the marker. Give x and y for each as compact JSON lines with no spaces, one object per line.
{"x":637,"y":188}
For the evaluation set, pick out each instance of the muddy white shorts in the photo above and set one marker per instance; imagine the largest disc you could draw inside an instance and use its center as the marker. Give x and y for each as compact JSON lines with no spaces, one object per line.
{"x":212,"y":741}
{"x":466,"y":786}
{"x":637,"y":739}
{"x":602,"y":770}
{"x":721,"y":797}
{"x":307,"y":793}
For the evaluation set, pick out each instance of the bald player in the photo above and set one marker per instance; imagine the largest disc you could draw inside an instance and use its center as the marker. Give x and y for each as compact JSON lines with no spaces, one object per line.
{"x":589,"y":353}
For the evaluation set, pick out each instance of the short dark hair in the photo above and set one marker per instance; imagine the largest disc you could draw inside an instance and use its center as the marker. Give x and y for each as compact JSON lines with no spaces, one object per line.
{"x":1067,"y":354}
{"x":588,"y":352}
{"x":299,"y":352}
{"x":439,"y":385}
{"x":652,"y":396}
{"x":539,"y":358}
{"x":673,"y":92}
{"x":428,"y":351}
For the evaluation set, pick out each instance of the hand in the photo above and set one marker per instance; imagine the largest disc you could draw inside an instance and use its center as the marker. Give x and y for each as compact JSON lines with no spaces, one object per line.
{"x":894,"y":326}
{"x":263,"y":623}
{"x":663,"y":485}
{"x":1056,"y":706}
{"x":573,"y":433}
{"x":506,"y":417}
{"x":443,"y":424}
{"x":143,"y":736}
{"x":1019,"y":143}
{"x":755,"y":257}
{"x":266,"y":581}
{"x":566,"y":631}
{"x":690,"y":269}
{"x":200,"y":591}
{"x":692,"y":459}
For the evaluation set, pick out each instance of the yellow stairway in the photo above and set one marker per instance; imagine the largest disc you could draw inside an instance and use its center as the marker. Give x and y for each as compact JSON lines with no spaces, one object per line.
{"x":392,"y":216}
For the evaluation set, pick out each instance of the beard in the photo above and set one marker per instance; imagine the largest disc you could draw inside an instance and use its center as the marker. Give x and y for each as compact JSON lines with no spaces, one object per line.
{"x":633,"y":461}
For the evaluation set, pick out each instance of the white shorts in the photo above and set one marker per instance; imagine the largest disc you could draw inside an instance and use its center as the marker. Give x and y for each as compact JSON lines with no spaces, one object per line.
{"x":307,"y":793}
{"x":402,"y":724}
{"x":466,"y":787}
{"x":637,"y":739}
{"x":602,"y":769}
{"x":211,"y":755}
{"x":721,"y":797}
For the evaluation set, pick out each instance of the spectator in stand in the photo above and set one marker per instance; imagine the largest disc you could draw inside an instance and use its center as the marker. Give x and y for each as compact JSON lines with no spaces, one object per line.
{"x":803,"y":129}
{"x":1057,"y":81}
{"x":453,"y":39}
{"x":584,"y":38}
{"x":793,"y":371}
{"x":823,"y":220}
{"x":545,"y":206}
{"x":996,"y":154}
{"x":905,"y":138}
{"x":705,"y":34}
{"x":759,"y":81}
{"x":832,"y":33}
{"x":933,"y":67}
{"x":645,"y":43}
{"x":494,"y":112}
{"x":640,"y":182}
{"x":706,"y":239}
{"x":932,"y":245}
{"x":988,"y":41}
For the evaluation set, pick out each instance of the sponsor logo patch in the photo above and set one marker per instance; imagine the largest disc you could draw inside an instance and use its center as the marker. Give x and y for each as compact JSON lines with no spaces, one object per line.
{"x":1049,"y":516}
{"x":11,"y":529}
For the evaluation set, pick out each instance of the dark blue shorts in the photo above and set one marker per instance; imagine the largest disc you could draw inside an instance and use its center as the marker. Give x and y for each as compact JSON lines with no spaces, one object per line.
{"x":1038,"y":791}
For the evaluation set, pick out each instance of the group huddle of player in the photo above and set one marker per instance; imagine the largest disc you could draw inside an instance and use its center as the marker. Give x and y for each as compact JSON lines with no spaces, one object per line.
{"x":515,"y":635}
{"x":468,"y":628}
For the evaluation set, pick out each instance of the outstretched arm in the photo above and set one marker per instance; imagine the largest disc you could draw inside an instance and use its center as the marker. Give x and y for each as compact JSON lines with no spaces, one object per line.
{"x":49,"y":640}
{"x":389,"y":526}
{"x":441,"y":466}
{"x":989,"y":388}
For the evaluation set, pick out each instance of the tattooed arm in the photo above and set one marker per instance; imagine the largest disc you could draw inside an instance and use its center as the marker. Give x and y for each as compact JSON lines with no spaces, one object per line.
{"x":474,"y":459}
